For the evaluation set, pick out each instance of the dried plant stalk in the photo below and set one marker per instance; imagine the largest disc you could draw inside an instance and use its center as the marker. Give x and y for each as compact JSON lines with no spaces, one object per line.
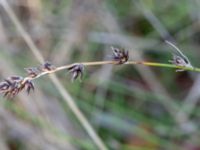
{"x":11,"y":86}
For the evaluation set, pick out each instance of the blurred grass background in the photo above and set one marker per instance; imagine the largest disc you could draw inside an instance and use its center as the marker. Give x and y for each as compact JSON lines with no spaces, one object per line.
{"x":130,"y":107}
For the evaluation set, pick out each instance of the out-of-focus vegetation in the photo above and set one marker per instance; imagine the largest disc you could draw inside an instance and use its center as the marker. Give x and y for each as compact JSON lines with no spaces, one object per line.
{"x":130,"y":107}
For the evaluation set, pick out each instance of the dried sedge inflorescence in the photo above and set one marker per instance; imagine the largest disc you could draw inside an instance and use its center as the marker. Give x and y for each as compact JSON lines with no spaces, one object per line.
{"x":14,"y":84}
{"x":11,"y":86}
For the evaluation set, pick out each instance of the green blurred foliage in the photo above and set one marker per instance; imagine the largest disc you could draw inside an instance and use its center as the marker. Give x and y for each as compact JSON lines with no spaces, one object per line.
{"x":125,"y":108}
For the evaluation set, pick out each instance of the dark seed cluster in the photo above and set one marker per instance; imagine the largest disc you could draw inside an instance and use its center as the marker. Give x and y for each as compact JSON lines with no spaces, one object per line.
{"x":120,"y":55}
{"x":14,"y":84}
{"x":48,"y":66}
{"x":77,"y":71}
{"x":35,"y":71}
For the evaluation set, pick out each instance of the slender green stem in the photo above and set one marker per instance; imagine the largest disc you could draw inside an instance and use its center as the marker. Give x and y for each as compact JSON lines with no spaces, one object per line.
{"x":164,"y":65}
{"x":152,"y":64}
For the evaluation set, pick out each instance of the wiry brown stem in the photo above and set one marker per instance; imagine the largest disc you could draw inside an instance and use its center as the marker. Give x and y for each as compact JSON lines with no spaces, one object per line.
{"x":66,"y":67}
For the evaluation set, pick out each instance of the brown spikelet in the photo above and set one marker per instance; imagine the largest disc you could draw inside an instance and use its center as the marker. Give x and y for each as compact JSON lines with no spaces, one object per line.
{"x":33,"y":71}
{"x":120,"y":55}
{"x":29,"y":86}
{"x":48,"y":66}
{"x":76,"y":70}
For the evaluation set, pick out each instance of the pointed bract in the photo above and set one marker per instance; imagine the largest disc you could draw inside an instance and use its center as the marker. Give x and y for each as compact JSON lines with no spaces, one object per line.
{"x":179,"y":58}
